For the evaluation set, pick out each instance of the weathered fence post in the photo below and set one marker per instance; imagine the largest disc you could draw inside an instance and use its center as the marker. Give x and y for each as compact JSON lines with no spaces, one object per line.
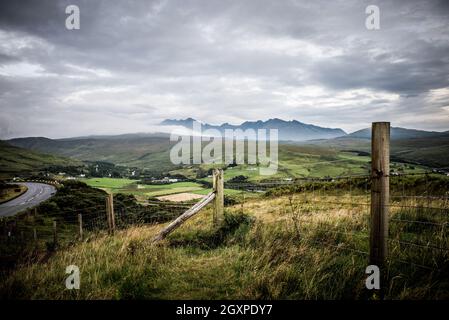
{"x":380,"y":171}
{"x":34,"y":234}
{"x":55,"y":235}
{"x":108,"y":215}
{"x":111,"y":206}
{"x":80,"y":222}
{"x":218,"y":186}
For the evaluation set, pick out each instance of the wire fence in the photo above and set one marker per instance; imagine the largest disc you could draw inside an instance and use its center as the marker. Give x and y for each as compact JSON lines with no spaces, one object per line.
{"x":35,"y":232}
{"x":332,"y":213}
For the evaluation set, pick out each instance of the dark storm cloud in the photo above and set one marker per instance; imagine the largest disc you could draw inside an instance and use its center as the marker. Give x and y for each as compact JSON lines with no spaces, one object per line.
{"x":134,"y":63}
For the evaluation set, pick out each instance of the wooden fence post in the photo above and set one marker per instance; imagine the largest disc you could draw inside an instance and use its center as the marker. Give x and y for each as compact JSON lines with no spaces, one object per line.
{"x":34,"y":234}
{"x":80,"y":222}
{"x":55,"y":235}
{"x":218,"y":186}
{"x":108,"y":214}
{"x":5,"y":228}
{"x":111,"y":212}
{"x":380,"y":185}
{"x":214,"y":190}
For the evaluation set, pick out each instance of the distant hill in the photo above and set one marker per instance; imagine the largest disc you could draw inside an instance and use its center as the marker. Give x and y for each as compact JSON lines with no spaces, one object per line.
{"x":398,"y":133}
{"x":15,"y":160}
{"x":288,"y":130}
{"x":149,"y":151}
{"x":428,"y":148}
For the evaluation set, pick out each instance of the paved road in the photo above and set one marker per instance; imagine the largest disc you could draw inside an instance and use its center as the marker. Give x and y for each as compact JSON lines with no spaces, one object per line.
{"x":36,"y":193}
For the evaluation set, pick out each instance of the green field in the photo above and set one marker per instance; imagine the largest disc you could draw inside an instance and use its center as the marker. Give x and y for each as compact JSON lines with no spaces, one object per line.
{"x":108,"y":183}
{"x":304,"y":161}
{"x":142,"y":191}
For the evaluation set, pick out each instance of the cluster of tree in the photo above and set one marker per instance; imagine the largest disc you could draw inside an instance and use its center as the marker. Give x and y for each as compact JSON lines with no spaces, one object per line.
{"x":100,"y":169}
{"x":163,"y":178}
{"x":72,"y":198}
{"x":203,"y":173}
{"x":238,"y":179}
{"x":69,"y":170}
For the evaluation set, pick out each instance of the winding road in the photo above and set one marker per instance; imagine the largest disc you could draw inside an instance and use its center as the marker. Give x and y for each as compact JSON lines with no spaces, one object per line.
{"x":36,"y":193}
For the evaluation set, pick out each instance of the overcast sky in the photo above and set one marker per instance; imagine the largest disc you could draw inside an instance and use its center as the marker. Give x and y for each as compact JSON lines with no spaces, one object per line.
{"x":135,"y":63}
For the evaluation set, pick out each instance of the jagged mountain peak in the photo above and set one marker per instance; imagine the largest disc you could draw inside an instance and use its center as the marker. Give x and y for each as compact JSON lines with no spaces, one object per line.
{"x":288,"y":129}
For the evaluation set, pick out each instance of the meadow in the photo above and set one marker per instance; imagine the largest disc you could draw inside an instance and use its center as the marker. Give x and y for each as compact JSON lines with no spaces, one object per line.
{"x":294,"y":162}
{"x":302,"y":162}
{"x":141,"y":191}
{"x":309,"y":240}
{"x":294,"y":246}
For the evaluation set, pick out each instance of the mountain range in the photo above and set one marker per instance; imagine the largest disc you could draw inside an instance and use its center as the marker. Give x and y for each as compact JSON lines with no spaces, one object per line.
{"x":151,"y":150}
{"x":288,"y":130}
{"x":397,"y":133}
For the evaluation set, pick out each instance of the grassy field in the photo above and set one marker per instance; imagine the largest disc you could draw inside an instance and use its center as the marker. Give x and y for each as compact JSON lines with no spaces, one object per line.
{"x":295,"y":162}
{"x":143,"y":191}
{"x":9,"y":192}
{"x":305,"y":161}
{"x":110,"y":184}
{"x":295,"y":246}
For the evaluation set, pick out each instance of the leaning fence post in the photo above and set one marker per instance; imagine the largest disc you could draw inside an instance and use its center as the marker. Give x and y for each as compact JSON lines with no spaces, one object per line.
{"x":380,"y":170}
{"x":218,"y":186}
{"x":80,"y":222}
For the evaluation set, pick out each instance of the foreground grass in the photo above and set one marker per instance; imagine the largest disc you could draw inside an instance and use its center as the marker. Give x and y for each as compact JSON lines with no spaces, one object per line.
{"x":275,"y":248}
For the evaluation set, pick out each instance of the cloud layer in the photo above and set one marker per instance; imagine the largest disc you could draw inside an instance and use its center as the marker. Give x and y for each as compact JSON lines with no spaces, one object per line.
{"x":135,"y":63}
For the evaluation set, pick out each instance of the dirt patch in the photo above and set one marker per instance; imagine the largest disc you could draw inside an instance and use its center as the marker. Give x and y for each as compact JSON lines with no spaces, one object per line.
{"x":180,"y":197}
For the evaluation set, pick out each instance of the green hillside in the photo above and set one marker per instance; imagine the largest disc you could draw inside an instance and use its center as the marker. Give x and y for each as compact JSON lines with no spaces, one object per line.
{"x":333,"y":157}
{"x":15,"y":160}
{"x":143,"y":151}
{"x":428,"y":150}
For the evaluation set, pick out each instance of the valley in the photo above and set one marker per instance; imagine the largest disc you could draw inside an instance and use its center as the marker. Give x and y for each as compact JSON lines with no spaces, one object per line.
{"x":314,"y":210}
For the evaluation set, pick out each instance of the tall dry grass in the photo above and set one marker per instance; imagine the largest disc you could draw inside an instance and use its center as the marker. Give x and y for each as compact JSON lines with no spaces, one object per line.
{"x":300,"y":246}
